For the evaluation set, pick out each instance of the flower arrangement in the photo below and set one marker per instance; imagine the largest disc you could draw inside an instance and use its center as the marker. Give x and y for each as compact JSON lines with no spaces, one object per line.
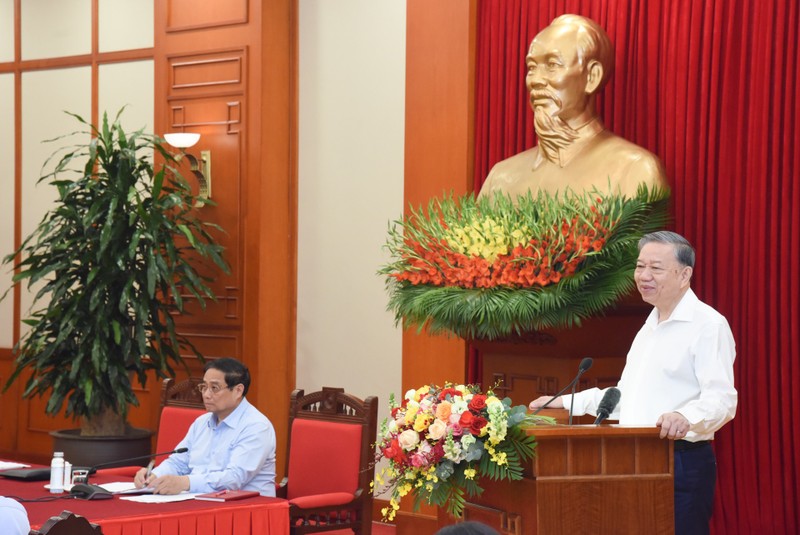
{"x":492,"y":267}
{"x":440,"y":440}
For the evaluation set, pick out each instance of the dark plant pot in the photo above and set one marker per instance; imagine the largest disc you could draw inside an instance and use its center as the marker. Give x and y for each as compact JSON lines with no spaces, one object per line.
{"x":91,"y":451}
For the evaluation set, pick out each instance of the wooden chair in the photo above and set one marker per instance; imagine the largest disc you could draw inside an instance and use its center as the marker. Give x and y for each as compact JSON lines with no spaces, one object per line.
{"x":181,"y":404}
{"x":67,"y":523}
{"x":330,"y":462}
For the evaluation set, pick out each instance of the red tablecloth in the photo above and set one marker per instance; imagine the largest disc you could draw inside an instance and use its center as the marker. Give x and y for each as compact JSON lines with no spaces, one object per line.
{"x":256,"y":516}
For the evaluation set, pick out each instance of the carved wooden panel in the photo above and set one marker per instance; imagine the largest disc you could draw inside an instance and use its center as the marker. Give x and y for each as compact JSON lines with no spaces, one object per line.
{"x":532,"y":366}
{"x":504,"y":522}
{"x":184,"y":15}
{"x":9,"y":401}
{"x":215,"y":342}
{"x":205,"y":94}
{"x":584,"y":479}
{"x":208,"y":73}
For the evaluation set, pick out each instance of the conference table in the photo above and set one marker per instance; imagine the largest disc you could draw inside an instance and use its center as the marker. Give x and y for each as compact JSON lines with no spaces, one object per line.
{"x":258,"y":515}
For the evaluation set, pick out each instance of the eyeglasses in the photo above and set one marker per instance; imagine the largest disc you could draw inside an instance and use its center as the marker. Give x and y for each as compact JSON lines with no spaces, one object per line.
{"x":215,"y":389}
{"x":654,"y":270}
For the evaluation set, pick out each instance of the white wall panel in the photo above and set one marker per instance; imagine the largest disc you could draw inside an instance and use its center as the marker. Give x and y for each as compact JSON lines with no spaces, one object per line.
{"x":6,"y":30}
{"x":125,"y":24}
{"x":128,"y":84}
{"x":56,"y":28}
{"x":351,"y":129}
{"x":45,"y":96}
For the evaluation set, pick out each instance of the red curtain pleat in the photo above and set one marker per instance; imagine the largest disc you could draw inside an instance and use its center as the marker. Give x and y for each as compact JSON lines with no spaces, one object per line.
{"x":711,"y":87}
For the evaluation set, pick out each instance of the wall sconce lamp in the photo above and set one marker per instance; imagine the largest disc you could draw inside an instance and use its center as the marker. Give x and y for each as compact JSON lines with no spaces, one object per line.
{"x":200,"y":169}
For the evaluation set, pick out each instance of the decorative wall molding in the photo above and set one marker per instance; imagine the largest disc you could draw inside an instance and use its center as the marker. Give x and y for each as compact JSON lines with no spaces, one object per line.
{"x":188,"y":15}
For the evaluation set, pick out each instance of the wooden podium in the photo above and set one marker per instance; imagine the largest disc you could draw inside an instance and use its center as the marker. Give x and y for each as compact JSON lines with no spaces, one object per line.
{"x":584,"y":479}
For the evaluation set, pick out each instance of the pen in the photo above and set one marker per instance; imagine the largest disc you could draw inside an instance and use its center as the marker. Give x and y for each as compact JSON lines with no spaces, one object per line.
{"x":149,"y":470}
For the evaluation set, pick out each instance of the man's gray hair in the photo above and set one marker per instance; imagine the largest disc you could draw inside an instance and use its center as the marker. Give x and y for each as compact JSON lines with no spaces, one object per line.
{"x":684,"y":252}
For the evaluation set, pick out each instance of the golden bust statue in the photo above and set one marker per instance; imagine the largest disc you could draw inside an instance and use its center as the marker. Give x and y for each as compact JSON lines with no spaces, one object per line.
{"x":568,"y":62}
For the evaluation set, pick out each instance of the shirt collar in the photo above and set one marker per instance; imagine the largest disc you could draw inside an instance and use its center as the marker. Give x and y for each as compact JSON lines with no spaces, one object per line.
{"x":563,"y":156}
{"x":684,"y":310}
{"x":234,"y":418}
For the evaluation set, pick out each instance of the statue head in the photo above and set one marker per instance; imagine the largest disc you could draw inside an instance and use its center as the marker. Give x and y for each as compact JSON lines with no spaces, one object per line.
{"x":568,"y":62}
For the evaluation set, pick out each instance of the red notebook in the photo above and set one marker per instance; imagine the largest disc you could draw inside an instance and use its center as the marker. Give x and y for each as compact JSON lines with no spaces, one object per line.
{"x":227,"y":495}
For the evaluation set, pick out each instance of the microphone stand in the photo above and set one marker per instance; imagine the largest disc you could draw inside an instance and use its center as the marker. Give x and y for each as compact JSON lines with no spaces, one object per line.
{"x":572,"y":399}
{"x":126,"y":462}
{"x":585,"y":365}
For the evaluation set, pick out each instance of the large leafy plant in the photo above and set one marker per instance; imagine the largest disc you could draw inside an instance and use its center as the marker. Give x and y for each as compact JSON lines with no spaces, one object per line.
{"x":110,"y":265}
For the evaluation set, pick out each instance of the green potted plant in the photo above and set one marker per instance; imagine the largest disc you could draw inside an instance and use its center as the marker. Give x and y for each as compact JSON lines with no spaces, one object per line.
{"x":110,"y":265}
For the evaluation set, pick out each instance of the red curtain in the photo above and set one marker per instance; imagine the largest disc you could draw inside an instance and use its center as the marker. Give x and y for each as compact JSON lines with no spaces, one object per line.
{"x":712,"y":87}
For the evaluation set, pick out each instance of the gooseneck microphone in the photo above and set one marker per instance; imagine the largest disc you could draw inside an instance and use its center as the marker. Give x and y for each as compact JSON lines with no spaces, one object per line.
{"x":127,"y":462}
{"x":607,"y":404}
{"x":586,"y":363}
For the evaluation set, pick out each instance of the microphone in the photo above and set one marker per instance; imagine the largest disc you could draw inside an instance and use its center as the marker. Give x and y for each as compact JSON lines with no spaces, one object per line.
{"x":127,"y":462}
{"x":586,"y":363}
{"x":607,"y":404}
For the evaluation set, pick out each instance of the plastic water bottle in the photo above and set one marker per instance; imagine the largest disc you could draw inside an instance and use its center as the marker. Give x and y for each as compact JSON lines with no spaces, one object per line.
{"x":57,"y":473}
{"x":67,"y":474}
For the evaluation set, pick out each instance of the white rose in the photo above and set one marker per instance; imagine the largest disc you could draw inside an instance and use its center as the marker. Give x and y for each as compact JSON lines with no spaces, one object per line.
{"x":411,"y":394}
{"x":437,"y":429}
{"x":408,"y":439}
{"x":425,"y":405}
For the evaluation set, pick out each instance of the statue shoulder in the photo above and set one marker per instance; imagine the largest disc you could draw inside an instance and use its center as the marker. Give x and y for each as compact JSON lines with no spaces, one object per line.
{"x":512,"y":163}
{"x":510,"y":174}
{"x":638,"y":165}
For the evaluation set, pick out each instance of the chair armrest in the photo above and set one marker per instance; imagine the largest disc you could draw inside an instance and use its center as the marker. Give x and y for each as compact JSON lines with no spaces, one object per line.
{"x":281,"y":488}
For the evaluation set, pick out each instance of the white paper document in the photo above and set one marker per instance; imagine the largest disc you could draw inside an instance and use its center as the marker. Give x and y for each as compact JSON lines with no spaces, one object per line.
{"x":124,"y":487}
{"x":161,"y":498}
{"x":8,"y":465}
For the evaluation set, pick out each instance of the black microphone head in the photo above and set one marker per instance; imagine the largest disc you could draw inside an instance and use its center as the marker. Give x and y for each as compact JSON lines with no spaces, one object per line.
{"x":609,"y":401}
{"x":586,"y":363}
{"x":181,"y":450}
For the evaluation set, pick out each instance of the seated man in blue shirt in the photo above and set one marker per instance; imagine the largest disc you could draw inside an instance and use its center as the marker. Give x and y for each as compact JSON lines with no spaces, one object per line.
{"x":231,"y":447}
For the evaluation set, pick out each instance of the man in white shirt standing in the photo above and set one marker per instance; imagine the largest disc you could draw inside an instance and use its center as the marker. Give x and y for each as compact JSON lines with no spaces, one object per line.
{"x":678,"y":375}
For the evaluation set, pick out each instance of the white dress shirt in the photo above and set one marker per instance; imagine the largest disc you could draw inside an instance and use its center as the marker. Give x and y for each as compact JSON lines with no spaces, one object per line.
{"x":13,"y":518}
{"x":683,"y":364}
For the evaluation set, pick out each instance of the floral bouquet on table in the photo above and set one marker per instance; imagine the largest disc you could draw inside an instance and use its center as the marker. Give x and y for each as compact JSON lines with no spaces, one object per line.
{"x":441,"y":440}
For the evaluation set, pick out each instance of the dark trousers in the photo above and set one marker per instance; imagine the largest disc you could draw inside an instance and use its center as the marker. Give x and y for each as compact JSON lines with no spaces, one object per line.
{"x":695,"y":478}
